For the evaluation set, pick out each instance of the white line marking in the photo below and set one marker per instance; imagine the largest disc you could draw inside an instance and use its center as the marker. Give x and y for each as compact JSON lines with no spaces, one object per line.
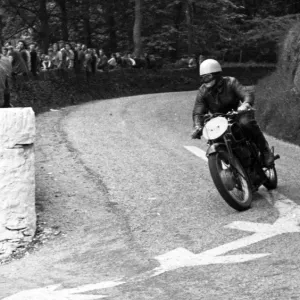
{"x":197,"y":151}
{"x":51,"y":292}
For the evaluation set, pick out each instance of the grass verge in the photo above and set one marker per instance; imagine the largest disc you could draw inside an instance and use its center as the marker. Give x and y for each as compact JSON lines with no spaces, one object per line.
{"x":278,"y":107}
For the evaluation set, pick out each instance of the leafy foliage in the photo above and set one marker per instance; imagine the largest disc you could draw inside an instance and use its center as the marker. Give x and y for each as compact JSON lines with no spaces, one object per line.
{"x":170,"y":28}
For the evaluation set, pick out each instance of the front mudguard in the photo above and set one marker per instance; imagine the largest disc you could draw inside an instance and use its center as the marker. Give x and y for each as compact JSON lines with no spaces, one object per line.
{"x":214,"y":148}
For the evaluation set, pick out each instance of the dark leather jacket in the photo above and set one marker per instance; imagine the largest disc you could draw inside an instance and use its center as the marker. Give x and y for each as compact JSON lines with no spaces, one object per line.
{"x":225,"y":96}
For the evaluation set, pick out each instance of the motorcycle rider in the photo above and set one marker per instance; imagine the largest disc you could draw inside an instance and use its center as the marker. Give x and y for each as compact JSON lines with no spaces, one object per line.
{"x":220,"y":94}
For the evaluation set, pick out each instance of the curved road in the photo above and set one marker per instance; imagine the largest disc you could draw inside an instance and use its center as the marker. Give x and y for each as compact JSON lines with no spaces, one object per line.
{"x":171,"y":235}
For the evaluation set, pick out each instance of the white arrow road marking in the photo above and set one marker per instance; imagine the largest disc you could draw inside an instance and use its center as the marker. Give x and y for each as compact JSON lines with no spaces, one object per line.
{"x":197,"y":151}
{"x":51,"y":292}
{"x":181,"y":257}
{"x":287,"y":222}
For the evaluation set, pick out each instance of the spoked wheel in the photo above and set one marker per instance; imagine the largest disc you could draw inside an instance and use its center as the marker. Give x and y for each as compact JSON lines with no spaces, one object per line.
{"x":230,"y":180}
{"x":272,"y":181}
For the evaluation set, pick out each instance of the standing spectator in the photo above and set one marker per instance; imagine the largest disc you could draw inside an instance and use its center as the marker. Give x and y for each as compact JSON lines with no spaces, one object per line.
{"x":112,"y":62}
{"x":4,"y":51}
{"x":80,"y":56}
{"x":77,"y":50}
{"x":55,"y":48}
{"x":7,"y":44}
{"x":70,"y":56}
{"x":33,"y":59}
{"x":19,"y":66}
{"x":119,"y":59}
{"x":103,"y":61}
{"x":94,"y":60}
{"x":39,"y":58}
{"x":126,"y":61}
{"x":55,"y":57}
{"x":46,"y":63}
{"x":131,"y":60}
{"x":5,"y":75}
{"x":74,"y":48}
{"x":62,"y":56}
{"x":192,"y":62}
{"x":22,"y":48}
{"x":52,"y":58}
{"x":87,"y":64}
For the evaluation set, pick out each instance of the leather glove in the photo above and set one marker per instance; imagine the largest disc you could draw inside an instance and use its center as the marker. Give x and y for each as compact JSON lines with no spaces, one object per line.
{"x":244,"y":106}
{"x":197,"y":133}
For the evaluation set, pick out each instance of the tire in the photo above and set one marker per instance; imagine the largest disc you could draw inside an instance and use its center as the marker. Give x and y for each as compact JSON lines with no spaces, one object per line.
{"x":235,"y":190}
{"x":272,"y":181}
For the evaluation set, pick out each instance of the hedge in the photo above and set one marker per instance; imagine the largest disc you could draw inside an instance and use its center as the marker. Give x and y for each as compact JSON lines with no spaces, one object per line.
{"x":54,"y":89}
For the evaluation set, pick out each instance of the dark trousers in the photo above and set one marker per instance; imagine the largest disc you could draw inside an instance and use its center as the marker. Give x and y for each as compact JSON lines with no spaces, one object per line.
{"x":6,"y":96}
{"x":252,"y":130}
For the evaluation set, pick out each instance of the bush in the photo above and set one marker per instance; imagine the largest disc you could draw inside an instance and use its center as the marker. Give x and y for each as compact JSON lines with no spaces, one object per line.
{"x":278,"y":107}
{"x":278,"y":94}
{"x":54,"y":90}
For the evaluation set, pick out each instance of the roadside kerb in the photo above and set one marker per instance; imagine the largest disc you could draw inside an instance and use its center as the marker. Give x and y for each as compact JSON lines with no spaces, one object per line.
{"x":17,"y":179}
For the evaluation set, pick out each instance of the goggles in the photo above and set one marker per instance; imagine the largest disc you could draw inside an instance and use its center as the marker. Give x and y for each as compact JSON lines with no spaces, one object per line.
{"x":207,"y":78}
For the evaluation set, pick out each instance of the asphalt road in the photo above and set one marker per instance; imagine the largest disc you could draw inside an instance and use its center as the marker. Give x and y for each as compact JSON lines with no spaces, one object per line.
{"x":159,"y":197}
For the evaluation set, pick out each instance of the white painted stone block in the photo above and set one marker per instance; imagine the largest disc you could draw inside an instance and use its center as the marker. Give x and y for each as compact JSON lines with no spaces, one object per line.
{"x":17,"y":126}
{"x":17,"y":178}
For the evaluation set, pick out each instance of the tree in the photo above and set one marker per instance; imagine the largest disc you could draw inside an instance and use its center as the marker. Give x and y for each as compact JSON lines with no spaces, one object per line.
{"x":44,"y":31}
{"x":189,"y":11}
{"x":64,"y":18}
{"x":33,"y":14}
{"x":137,"y":29}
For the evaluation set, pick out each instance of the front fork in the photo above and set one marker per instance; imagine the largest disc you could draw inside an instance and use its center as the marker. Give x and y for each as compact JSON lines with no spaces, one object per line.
{"x":214,"y":147}
{"x":227,"y":145}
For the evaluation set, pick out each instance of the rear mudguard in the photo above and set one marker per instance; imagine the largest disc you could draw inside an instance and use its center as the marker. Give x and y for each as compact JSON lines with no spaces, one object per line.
{"x":218,"y":147}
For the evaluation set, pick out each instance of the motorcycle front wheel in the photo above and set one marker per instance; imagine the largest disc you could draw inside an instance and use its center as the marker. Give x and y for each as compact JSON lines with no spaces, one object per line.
{"x":272,"y":180}
{"x":230,"y":180}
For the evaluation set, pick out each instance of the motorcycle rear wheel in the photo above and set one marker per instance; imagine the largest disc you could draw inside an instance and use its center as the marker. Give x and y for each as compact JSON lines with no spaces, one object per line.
{"x":230,"y":180}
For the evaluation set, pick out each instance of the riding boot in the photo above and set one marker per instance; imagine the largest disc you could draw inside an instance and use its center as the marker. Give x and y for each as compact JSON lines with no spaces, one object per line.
{"x":254,"y":132}
{"x":263,"y":146}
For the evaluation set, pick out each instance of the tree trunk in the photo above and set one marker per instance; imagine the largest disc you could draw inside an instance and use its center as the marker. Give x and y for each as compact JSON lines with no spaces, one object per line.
{"x":44,"y":30}
{"x":137,"y":29}
{"x":112,"y":28}
{"x":86,"y":24}
{"x":64,"y":19}
{"x":177,"y":20}
{"x":189,"y":22}
{"x":1,"y":29}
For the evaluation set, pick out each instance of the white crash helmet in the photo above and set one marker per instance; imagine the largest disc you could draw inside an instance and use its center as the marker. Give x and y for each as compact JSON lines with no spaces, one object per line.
{"x":209,"y":66}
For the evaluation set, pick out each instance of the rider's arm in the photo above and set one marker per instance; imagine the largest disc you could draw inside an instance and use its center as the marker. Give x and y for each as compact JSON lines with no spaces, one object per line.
{"x":200,"y":107}
{"x":243,"y":94}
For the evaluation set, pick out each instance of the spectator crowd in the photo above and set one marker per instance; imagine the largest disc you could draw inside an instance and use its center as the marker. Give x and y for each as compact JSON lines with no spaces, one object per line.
{"x":29,"y":58}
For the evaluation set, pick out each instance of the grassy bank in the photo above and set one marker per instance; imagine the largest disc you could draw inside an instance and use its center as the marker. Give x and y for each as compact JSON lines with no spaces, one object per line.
{"x":278,"y":107}
{"x":53,"y":90}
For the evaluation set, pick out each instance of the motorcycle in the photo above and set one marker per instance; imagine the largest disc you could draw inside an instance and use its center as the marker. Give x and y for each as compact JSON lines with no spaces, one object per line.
{"x":235,"y":163}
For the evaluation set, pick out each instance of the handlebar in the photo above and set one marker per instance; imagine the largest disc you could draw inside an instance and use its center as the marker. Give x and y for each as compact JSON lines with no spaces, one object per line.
{"x":228,"y":114}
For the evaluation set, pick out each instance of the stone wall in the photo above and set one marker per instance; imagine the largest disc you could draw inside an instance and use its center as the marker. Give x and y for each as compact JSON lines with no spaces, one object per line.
{"x":17,"y":179}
